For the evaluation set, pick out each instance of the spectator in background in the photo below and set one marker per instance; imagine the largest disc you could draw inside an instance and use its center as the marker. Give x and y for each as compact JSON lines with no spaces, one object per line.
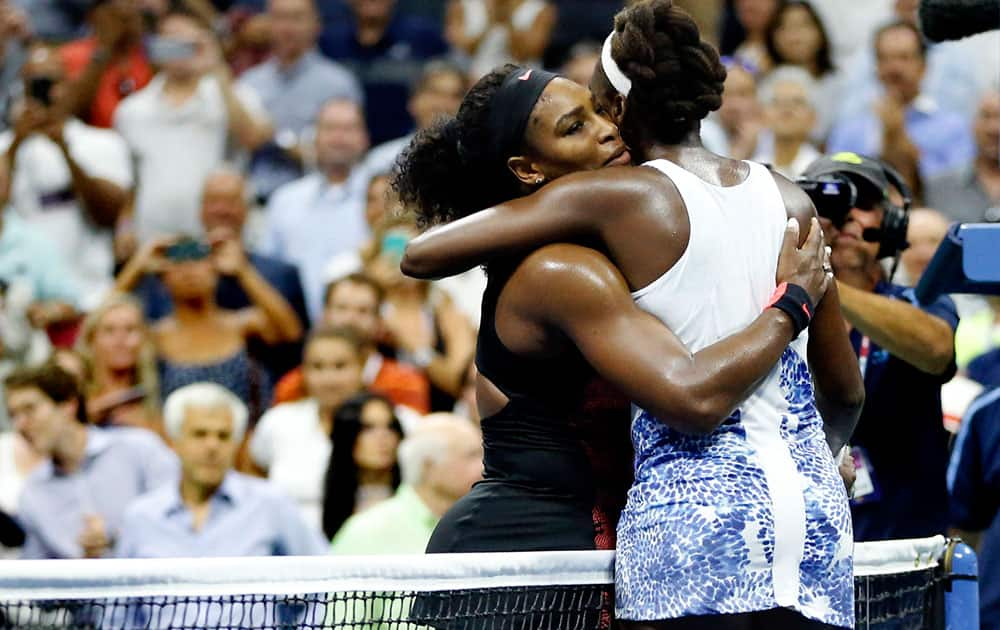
{"x":851,"y":25}
{"x":439,"y":460}
{"x":925,"y":232}
{"x":973,"y":485}
{"x":754,"y":16}
{"x":225,"y":201}
{"x":72,"y":504}
{"x":971,"y":191}
{"x":906,"y":352}
{"x":311,"y":220}
{"x":109,"y":65}
{"x":55,"y":20}
{"x":293,"y":85}
{"x":17,"y":461}
{"x":212,"y":510}
{"x":201,"y":341}
{"x":178,"y":126}
{"x":291,"y":443}
{"x":121,"y":386}
{"x":363,"y":468}
{"x":68,"y":180}
{"x":581,"y":61}
{"x":905,"y":126}
{"x":495,"y":32}
{"x":423,"y":325}
{"x":736,"y":127}
{"x":789,"y":99}
{"x":436,"y":93}
{"x":385,"y":50}
{"x":978,"y":335}
{"x":354,"y":302}
{"x":796,"y":36}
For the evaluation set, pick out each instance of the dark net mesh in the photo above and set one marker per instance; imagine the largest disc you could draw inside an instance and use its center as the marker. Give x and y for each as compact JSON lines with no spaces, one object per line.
{"x":902,"y":601}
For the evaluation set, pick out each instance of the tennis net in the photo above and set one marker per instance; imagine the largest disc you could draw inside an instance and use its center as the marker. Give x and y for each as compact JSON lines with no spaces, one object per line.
{"x":898,"y":585}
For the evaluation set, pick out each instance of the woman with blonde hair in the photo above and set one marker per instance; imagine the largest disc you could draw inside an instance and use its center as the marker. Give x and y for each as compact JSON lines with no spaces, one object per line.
{"x":121,"y":385}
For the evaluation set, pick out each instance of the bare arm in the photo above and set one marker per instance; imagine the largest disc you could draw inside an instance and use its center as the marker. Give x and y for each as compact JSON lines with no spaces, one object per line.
{"x":251,"y":131}
{"x":919,"y":338}
{"x":447,"y":370}
{"x":531,"y":44}
{"x":102,"y":199}
{"x":270,"y":317}
{"x":454,"y":29}
{"x":580,"y":293}
{"x":839,"y":388}
{"x":575,"y":206}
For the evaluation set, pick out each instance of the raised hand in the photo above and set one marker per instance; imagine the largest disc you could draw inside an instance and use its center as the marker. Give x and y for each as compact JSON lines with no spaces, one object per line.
{"x":808,"y":266}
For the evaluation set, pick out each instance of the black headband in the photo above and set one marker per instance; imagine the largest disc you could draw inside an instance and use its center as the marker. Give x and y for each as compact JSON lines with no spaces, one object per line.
{"x":511,"y":108}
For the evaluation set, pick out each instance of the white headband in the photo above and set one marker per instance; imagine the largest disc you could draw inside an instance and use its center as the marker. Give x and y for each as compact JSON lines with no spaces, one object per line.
{"x":617,"y":78}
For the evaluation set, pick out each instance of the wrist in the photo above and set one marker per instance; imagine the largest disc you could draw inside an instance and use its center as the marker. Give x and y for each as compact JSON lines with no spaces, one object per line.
{"x":795,"y":303}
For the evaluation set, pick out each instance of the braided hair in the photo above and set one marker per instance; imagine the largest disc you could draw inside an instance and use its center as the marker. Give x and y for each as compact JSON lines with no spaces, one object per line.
{"x":447,"y":171}
{"x":677,"y":77}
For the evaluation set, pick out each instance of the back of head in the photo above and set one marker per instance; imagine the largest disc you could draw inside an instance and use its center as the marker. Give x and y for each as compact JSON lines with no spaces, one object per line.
{"x":677,"y":78}
{"x":447,"y":171}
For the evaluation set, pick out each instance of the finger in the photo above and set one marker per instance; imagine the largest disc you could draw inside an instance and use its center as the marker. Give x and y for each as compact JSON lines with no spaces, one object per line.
{"x":791,"y":238}
{"x":814,"y":239}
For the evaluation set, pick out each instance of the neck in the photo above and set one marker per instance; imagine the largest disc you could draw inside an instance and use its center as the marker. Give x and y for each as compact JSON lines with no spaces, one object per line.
{"x":436,"y":502}
{"x":785,"y":150}
{"x":289,"y":58}
{"x":987,"y":165}
{"x":72,"y":444}
{"x":375,"y":477}
{"x":195,"y":495}
{"x":371,"y":30}
{"x":193,"y":310}
{"x":108,"y":379}
{"x":654,"y":150}
{"x":337,"y":174}
{"x":182,"y":83}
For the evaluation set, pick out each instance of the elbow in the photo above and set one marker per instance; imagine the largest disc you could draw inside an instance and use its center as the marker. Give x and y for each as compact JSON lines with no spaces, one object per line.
{"x":415,"y":266}
{"x":697,"y":417}
{"x":940,"y":355}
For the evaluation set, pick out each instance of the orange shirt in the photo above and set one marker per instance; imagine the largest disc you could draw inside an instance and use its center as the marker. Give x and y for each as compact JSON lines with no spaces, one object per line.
{"x":120,"y":79}
{"x":401,"y":384}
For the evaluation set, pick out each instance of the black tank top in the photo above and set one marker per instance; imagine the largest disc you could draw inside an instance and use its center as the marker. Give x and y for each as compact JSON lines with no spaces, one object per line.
{"x":531,"y":441}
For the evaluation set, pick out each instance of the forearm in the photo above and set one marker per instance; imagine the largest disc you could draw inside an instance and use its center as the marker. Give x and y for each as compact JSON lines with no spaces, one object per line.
{"x":530,"y":44}
{"x":83,"y":90}
{"x":130,"y":276}
{"x":900,"y":151}
{"x":246,"y":128}
{"x":839,"y":388}
{"x":102,"y":200}
{"x":275,"y":308}
{"x":920,"y":339}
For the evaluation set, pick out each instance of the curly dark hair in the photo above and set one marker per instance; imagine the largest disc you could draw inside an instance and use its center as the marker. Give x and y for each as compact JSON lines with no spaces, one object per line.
{"x":824,"y":60}
{"x":447,"y":171}
{"x":677,"y":77}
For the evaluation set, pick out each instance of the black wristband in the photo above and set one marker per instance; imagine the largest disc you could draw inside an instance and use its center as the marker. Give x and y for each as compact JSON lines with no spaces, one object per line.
{"x":795,"y":301}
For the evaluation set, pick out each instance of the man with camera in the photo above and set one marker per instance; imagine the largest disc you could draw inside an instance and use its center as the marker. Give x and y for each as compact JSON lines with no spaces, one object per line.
{"x":905,"y":351}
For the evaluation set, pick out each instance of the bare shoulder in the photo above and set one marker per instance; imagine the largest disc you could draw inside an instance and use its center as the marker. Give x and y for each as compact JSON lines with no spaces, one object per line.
{"x":562,"y":277}
{"x":797,"y":203}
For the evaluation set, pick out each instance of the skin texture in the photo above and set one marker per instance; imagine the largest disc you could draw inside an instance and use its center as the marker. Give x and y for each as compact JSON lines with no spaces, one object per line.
{"x":567,"y":294}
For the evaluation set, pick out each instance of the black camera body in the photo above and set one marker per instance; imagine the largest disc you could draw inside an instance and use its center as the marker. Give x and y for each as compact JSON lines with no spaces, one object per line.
{"x":833,"y":195}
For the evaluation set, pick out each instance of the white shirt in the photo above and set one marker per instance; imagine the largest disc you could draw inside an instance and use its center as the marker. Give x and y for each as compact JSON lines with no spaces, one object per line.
{"x":175,"y":148}
{"x":290,"y":444}
{"x":806,"y":155}
{"x":42,"y":194}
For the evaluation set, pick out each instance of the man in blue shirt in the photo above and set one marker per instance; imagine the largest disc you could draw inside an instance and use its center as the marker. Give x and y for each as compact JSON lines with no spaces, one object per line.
{"x":213,"y":510}
{"x":974,"y":484}
{"x":906,"y":352}
{"x":385,"y":49}
{"x":293,"y":84}
{"x":72,"y":504}
{"x":321,"y":215}
{"x":905,"y":126}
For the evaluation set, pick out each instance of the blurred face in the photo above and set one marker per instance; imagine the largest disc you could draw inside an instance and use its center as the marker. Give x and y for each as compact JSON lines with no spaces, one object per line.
{"x":790,"y":114}
{"x":580,"y":68}
{"x":900,"y":65}
{"x":223,"y":205}
{"x":373,"y":10}
{"x":850,"y":250}
{"x":987,"y":127}
{"x":118,"y":338}
{"x":332,"y":371}
{"x":797,"y":37}
{"x":376,"y":201}
{"x":926,"y":231}
{"x":453,"y":473}
{"x":739,"y":98}
{"x":439,"y":96}
{"x":207,"y":446}
{"x":566,"y":134}
{"x":375,"y":449}
{"x":755,"y":14}
{"x":341,"y":136}
{"x":191,"y":279}
{"x":43,"y":67}
{"x":294,"y":27}
{"x":40,"y":420}
{"x":353,"y":305}
{"x":183,"y":29}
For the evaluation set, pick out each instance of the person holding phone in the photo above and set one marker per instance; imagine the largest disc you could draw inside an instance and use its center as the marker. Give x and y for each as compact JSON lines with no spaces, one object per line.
{"x":68,"y":179}
{"x":201,"y":341}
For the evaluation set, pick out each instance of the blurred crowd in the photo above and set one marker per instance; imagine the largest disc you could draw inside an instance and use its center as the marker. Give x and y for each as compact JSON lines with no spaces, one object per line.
{"x":199,"y":257}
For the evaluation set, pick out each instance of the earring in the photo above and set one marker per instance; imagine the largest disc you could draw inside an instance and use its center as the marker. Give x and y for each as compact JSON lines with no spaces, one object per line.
{"x":539,"y":180}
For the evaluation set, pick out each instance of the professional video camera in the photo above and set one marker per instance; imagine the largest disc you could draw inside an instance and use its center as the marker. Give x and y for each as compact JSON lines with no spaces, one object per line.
{"x":833,"y":195}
